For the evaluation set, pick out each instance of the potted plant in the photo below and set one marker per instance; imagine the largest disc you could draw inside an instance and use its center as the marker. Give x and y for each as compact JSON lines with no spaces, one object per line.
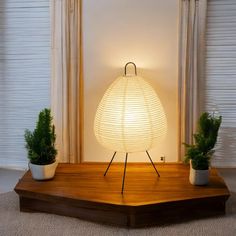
{"x":41,"y":147}
{"x":199,"y":154}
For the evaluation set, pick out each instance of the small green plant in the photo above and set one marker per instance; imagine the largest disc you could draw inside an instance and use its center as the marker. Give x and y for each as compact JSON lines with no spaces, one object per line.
{"x":201,"y":152}
{"x":41,"y":142}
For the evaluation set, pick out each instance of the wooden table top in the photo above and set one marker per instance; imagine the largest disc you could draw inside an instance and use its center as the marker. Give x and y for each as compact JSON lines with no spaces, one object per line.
{"x":86,"y":182}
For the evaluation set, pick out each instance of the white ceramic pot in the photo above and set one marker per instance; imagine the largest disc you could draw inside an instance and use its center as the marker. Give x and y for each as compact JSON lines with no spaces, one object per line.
{"x":43,"y":172}
{"x":198,"y":177}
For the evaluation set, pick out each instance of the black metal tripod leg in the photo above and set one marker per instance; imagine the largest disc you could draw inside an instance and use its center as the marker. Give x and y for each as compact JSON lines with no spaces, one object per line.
{"x":110,"y":163}
{"x":123,"y":183}
{"x":153,"y":164}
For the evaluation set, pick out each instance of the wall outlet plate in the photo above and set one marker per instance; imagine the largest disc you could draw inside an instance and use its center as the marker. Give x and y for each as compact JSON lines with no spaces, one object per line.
{"x":162,"y":159}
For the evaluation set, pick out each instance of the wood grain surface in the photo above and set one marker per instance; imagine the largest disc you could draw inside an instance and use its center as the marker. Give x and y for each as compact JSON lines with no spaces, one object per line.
{"x":82,"y":191}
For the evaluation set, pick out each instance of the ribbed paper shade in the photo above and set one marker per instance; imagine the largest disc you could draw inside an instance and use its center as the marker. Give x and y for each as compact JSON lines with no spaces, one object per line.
{"x":130,"y":117}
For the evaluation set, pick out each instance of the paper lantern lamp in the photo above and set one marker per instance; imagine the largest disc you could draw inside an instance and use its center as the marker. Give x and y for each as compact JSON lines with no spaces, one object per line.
{"x":130,"y":117}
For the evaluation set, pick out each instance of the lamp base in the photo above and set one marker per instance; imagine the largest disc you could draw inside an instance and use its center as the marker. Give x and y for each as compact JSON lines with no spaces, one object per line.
{"x":126,"y":158}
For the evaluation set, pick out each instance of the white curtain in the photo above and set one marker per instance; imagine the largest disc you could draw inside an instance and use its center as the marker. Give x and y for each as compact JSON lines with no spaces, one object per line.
{"x":66,"y":85}
{"x":191,"y":68}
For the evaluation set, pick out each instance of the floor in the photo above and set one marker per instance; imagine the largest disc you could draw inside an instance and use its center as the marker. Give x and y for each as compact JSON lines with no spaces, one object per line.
{"x":9,"y":178}
{"x":229,"y":176}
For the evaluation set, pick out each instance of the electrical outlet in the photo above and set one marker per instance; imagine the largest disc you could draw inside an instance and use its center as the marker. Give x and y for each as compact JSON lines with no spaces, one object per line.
{"x":163,"y":159}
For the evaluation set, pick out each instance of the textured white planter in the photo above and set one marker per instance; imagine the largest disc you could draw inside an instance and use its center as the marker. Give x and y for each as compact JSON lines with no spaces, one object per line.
{"x":43,"y":172}
{"x":198,"y":177}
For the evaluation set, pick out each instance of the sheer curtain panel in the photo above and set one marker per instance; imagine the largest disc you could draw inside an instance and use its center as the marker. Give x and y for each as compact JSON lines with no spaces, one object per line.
{"x":191,"y":67}
{"x":66,"y":86}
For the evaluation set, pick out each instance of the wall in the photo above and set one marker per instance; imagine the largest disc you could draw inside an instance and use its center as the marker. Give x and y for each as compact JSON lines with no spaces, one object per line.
{"x":145,"y":32}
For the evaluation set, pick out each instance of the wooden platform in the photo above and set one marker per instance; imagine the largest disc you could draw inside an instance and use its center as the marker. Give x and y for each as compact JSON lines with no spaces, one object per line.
{"x":81,"y":190}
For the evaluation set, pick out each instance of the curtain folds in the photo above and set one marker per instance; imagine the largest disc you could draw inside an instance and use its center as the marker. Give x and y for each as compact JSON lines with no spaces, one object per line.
{"x":191,"y":68}
{"x":66,"y":81}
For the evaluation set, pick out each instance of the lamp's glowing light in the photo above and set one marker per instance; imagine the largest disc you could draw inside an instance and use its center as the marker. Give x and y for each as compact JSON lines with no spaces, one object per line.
{"x":130,"y":116}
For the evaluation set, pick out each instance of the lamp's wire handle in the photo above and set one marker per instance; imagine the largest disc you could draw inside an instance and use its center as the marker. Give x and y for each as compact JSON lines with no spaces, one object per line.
{"x":135,"y":68}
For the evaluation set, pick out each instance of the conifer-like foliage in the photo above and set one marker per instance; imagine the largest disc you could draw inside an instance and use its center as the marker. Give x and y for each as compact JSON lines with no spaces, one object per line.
{"x":41,"y":142}
{"x":201,"y":152}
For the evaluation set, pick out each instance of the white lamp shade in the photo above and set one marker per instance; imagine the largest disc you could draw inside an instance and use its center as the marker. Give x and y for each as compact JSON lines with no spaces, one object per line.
{"x":130,"y":116}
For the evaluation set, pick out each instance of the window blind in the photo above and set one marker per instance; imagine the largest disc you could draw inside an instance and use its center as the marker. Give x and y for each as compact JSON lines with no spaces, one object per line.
{"x":220,"y":92}
{"x":24,"y":74}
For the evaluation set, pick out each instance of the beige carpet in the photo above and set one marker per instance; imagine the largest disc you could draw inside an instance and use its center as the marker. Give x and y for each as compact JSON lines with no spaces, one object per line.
{"x":15,"y":223}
